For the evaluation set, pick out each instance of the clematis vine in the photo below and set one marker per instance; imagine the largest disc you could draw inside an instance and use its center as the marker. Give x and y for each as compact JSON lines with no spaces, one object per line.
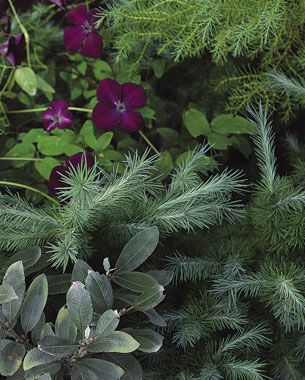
{"x":83,"y":37}
{"x":55,"y":180}
{"x":117,"y":105}
{"x":58,"y":116}
{"x":14,"y":49}
{"x":60,"y":3}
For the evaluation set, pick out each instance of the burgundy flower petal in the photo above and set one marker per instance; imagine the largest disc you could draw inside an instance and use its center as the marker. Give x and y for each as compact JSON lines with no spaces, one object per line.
{"x":55,"y":180}
{"x":93,"y":45}
{"x":58,"y":116}
{"x":133,"y":95}
{"x":78,"y":15}
{"x":4,"y":48}
{"x":131,"y":121}
{"x":92,"y":16}
{"x":14,"y":49}
{"x":59,"y":3}
{"x":77,"y":158}
{"x":49,"y":126}
{"x":73,"y":38}
{"x":59,"y":105}
{"x":105,"y":118}
{"x":109,"y":91}
{"x":48,"y":115}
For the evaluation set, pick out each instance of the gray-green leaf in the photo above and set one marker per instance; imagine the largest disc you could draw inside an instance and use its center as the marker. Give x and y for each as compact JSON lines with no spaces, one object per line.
{"x":64,"y":327}
{"x":100,"y":291}
{"x":107,"y":323}
{"x":103,"y":369}
{"x":118,"y":341}
{"x":56,"y":346}
{"x":34,"y":303}
{"x":79,"y":305}
{"x":137,"y":250}
{"x":7,"y":293}
{"x":10,"y":358}
{"x":150,"y":341}
{"x":14,"y":277}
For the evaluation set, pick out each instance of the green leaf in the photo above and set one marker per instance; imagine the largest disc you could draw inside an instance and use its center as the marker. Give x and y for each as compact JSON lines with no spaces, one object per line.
{"x":80,"y":271}
{"x":7,"y":293}
{"x":149,"y":299}
{"x":26,"y":78}
{"x":24,"y":149}
{"x":45,"y":166}
{"x":10,"y":358}
{"x":59,"y":283}
{"x":155,"y":318}
{"x":220,"y":142}
{"x":164,"y":164}
{"x":137,"y":250}
{"x":148,"y":113}
{"x":135,"y":281}
{"x":79,"y":305}
{"x":196,"y":122}
{"x":72,"y":149}
{"x":100,"y":291}
{"x":226,"y":124}
{"x":64,"y":327}
{"x":43,"y":85}
{"x":36,"y":357}
{"x":101,"y":69}
{"x":107,"y":323}
{"x":32,"y":135}
{"x":117,"y":341}
{"x":169,"y":135}
{"x":51,"y":145}
{"x":80,"y":372}
{"x":37,"y":371}
{"x":14,"y":277}
{"x":150,"y":341}
{"x":34,"y":303}
{"x":103,"y":142}
{"x":103,"y":369}
{"x":56,"y":346}
{"x":159,"y":67}
{"x":28,"y":256}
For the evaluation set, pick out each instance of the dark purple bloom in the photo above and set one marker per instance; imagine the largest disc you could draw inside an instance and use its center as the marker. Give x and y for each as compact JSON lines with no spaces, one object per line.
{"x":84,"y":35}
{"x":58,"y":116}
{"x":55,"y":180}
{"x":117,"y":105}
{"x":60,"y":3}
{"x":14,"y":49}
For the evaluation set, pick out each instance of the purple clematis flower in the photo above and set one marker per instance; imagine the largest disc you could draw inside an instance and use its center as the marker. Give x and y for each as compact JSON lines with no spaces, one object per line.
{"x":117,"y":105}
{"x":84,"y":35}
{"x":14,"y":49}
{"x":58,"y":116}
{"x":60,"y":3}
{"x":55,"y":180}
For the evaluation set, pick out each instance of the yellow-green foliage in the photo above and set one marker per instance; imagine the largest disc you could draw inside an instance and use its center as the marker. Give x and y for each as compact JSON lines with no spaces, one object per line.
{"x":269,"y":31}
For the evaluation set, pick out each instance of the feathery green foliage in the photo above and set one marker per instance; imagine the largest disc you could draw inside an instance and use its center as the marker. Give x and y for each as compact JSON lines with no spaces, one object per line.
{"x":115,"y":207}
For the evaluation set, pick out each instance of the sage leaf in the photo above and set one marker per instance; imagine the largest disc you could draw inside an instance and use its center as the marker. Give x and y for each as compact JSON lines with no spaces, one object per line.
{"x":64,"y":327}
{"x":137,"y":250}
{"x":79,"y":305}
{"x":107,"y":323}
{"x":7,"y":293}
{"x":150,"y":341}
{"x":100,"y":291}
{"x":34,"y":303}
{"x":103,"y":369}
{"x":118,"y":341}
{"x":14,"y":277}
{"x":10,"y":358}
